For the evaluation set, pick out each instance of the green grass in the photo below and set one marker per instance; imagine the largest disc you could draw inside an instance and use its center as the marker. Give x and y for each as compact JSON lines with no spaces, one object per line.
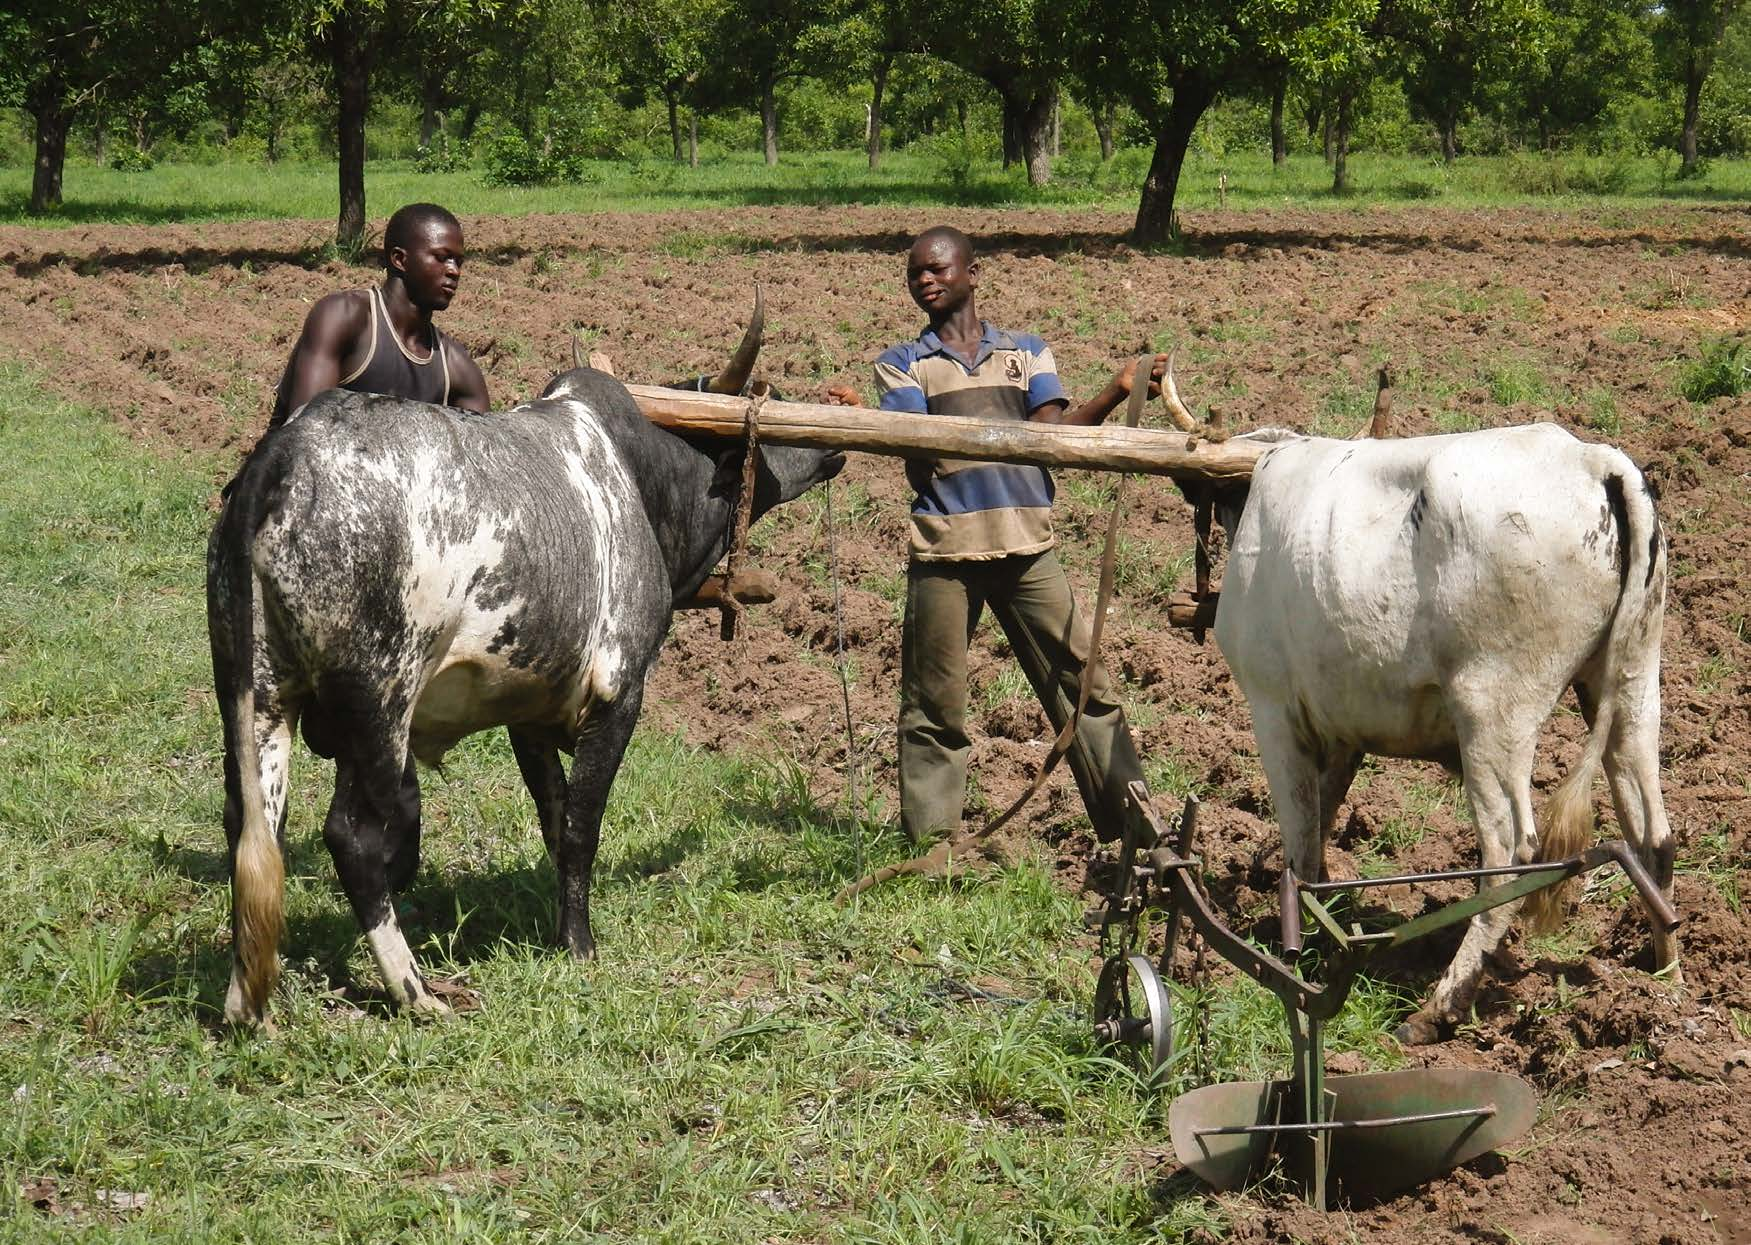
{"x":919,"y":177}
{"x":1723,"y":370}
{"x":745,"y":1062}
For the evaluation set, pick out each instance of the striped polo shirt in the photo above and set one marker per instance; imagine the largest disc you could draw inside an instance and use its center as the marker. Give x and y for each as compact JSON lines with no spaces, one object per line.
{"x":965,"y":510}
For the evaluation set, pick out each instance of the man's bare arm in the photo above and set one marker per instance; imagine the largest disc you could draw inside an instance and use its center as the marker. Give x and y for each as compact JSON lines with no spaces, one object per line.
{"x":467,"y":384}
{"x":332,"y":332}
{"x":1097,"y":408}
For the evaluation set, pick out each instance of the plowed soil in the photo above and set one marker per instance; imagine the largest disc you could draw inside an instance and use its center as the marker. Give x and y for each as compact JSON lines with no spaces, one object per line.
{"x":1588,"y":318}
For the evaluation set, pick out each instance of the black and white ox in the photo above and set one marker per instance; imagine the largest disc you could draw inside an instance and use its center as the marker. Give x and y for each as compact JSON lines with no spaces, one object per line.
{"x":393,"y":576}
{"x":1432,"y":598}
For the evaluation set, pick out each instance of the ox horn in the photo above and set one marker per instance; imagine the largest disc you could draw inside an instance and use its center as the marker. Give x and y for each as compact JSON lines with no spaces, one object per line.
{"x":577,"y":353}
{"x":1176,"y":409}
{"x":734,"y":378}
{"x":1379,"y":425}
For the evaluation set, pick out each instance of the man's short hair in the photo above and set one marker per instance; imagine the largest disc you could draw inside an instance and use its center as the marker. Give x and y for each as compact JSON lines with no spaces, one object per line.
{"x":406,"y":226}
{"x":949,"y":234}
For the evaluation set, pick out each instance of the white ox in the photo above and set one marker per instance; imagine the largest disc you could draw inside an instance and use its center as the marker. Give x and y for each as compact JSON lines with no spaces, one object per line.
{"x":1432,"y":597}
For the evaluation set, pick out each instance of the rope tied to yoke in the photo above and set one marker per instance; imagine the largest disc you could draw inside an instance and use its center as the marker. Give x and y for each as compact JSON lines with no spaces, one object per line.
{"x":958,"y":845}
{"x":729,"y":605}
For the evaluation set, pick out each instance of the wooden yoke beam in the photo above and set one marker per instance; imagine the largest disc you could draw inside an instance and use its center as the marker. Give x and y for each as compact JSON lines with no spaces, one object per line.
{"x":1150,"y":451}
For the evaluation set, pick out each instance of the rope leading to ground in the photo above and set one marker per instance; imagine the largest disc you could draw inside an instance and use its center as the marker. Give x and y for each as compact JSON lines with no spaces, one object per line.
{"x":730,"y":619}
{"x":844,"y":677}
{"x":944,"y":853}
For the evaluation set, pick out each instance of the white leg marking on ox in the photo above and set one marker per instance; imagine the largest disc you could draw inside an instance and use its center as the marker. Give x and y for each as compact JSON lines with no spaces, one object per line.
{"x":400,"y":974}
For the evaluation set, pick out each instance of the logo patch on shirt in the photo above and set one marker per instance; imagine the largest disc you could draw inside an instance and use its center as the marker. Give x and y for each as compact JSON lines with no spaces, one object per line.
{"x":1012,"y":369}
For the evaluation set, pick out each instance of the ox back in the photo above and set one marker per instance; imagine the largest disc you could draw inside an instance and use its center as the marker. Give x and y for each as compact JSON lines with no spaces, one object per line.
{"x":394,"y":576}
{"x":1433,"y":597}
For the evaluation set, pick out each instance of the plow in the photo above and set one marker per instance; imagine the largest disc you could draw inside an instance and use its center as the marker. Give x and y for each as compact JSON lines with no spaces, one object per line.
{"x":1348,"y":1138}
{"x":1336,"y":1139}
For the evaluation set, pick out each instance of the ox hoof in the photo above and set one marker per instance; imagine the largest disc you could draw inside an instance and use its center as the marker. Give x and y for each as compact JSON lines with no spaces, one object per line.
{"x":1419,"y":1029}
{"x":247,"y":1023}
{"x":429,"y":1007}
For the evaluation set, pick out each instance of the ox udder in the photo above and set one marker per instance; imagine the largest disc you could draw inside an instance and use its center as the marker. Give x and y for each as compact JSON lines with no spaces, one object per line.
{"x":1432,"y":598}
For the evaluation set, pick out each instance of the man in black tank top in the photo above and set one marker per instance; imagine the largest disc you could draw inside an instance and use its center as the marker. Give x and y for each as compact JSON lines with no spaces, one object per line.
{"x":382,"y":339}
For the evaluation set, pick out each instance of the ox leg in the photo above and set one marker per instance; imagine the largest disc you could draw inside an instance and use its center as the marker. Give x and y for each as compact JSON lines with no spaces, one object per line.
{"x":404,"y":848}
{"x":545,"y":777}
{"x":1499,"y":785}
{"x":360,"y":831}
{"x":595,"y":760}
{"x":1632,"y":764}
{"x":1305,"y":791}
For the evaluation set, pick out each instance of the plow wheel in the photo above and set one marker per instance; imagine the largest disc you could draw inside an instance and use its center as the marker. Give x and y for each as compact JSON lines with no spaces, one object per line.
{"x":1132,"y":1008}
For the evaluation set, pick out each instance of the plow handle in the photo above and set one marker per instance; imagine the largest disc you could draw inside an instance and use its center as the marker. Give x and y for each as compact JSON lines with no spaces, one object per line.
{"x":1661,"y":911}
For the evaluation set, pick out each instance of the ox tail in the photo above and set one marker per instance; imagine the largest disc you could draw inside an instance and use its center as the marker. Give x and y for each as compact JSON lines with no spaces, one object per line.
{"x":258,"y":871}
{"x":1566,"y":820}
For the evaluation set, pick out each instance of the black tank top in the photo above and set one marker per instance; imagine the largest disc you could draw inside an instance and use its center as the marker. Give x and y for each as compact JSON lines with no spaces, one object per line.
{"x":389,"y":367}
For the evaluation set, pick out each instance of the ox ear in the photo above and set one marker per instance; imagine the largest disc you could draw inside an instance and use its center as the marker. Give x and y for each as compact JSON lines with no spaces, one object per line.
{"x":726,"y":473}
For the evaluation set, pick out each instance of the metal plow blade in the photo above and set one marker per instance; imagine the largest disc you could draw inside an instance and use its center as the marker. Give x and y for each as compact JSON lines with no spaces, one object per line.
{"x":1382,"y":1132}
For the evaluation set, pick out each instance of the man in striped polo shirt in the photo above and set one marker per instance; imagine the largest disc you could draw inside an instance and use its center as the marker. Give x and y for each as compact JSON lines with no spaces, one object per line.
{"x":982,"y":536}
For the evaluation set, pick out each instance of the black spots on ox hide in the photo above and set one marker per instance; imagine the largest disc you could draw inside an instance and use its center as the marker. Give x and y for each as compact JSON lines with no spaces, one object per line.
{"x":1419,"y":510}
{"x":1619,"y":509}
{"x":1652,"y":493}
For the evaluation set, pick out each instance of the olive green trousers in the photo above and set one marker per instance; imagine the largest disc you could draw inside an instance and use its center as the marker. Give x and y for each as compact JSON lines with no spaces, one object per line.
{"x":1033,"y":603}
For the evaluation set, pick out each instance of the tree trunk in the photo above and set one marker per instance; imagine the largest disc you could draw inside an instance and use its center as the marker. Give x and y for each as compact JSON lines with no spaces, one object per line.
{"x":1340,"y":179}
{"x":1330,"y":137}
{"x":692,"y":140}
{"x":879,"y":83}
{"x":1279,"y":140}
{"x":1693,"y":80}
{"x":1011,"y":134}
{"x":53,"y":119}
{"x":673,"y":101}
{"x":100,"y":136}
{"x":1156,"y":222}
{"x":961,"y":116}
{"x":1057,"y":126}
{"x":1449,"y":127}
{"x":769,"y":122}
{"x":1035,"y":131}
{"x":1104,"y":118}
{"x":352,"y":90}
{"x":432,"y":102}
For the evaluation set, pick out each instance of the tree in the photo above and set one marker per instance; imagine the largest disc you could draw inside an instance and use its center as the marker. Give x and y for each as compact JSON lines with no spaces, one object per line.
{"x":761,"y":44}
{"x":1022,"y":49}
{"x":1453,"y":48}
{"x":662,"y":52}
{"x":73,"y":52}
{"x":1687,"y":36}
{"x":1594,"y":52}
{"x":870,"y":42}
{"x":352,"y":38}
{"x":1174,"y":58}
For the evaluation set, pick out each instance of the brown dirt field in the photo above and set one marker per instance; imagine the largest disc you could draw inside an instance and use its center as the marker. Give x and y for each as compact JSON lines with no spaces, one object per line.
{"x":1280,"y":317}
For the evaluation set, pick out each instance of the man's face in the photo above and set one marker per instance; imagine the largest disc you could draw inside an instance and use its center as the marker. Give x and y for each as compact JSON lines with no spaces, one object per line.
{"x":432,"y":266}
{"x":940,"y":276}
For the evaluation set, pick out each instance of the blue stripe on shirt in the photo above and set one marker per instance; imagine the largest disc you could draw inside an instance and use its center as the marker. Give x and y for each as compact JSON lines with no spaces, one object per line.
{"x":992,"y":486}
